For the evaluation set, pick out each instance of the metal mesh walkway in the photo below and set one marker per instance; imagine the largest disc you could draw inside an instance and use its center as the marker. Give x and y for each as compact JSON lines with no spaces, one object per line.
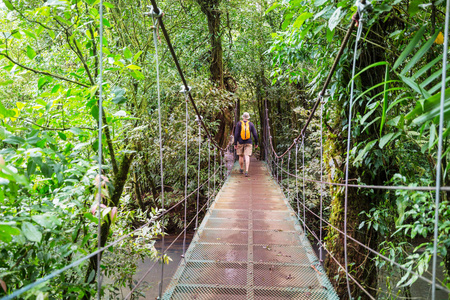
{"x":250,"y":246}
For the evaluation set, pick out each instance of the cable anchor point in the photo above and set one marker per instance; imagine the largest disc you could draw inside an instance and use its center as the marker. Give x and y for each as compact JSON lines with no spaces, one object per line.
{"x":183,"y":89}
{"x":198,"y":120}
{"x":361,"y":7}
{"x":153,"y":13}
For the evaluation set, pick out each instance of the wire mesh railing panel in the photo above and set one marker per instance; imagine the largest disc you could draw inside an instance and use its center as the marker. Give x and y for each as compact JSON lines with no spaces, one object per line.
{"x":207,"y":293}
{"x":220,"y":273}
{"x":220,"y":252}
{"x":279,"y":254}
{"x":305,"y":294}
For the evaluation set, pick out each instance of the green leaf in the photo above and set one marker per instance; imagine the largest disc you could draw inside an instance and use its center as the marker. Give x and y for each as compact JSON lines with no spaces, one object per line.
{"x":136,"y":56}
{"x":6,"y":82}
{"x":301,"y":19}
{"x":335,"y":19}
{"x":127,"y":53}
{"x":275,"y":5}
{"x":287,"y":21}
{"x":108,"y":5}
{"x":430,"y":109}
{"x":76,"y":131}
{"x":56,"y":88}
{"x":29,"y":34}
{"x":42,"y":81}
{"x":46,"y":220}
{"x":95,"y":112}
{"x":137,"y":74}
{"x":7,"y":231}
{"x":383,"y":7}
{"x":3,"y":110}
{"x":413,"y":7}
{"x":416,"y":87}
{"x":31,"y":232}
{"x":380,"y":63}
{"x":364,"y":151}
{"x":369,"y":113}
{"x":62,"y":20}
{"x":91,"y":276}
{"x":119,"y":97}
{"x":330,"y":35}
{"x":370,"y":123}
{"x":14,"y":140}
{"x":106,"y":22}
{"x":384,"y":140}
{"x":90,"y":217}
{"x":4,"y":133}
{"x":8,"y":4}
{"x":385,"y":99}
{"x":410,"y":47}
{"x":93,"y":90}
{"x":62,"y":136}
{"x":432,"y":135}
{"x":424,"y":49}
{"x":320,"y":2}
{"x":133,"y":67}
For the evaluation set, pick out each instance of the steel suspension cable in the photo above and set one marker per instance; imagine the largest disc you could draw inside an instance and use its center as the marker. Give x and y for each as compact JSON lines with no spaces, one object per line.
{"x":185,"y":169}
{"x":289,"y":181}
{"x":161,"y":162}
{"x":198,"y":171}
{"x":439,"y":152}
{"x":303,"y":183}
{"x":296,"y":179}
{"x":100,"y":154}
{"x":209,"y":170}
{"x":214,"y":191}
{"x":321,"y":185}
{"x":281,"y":175}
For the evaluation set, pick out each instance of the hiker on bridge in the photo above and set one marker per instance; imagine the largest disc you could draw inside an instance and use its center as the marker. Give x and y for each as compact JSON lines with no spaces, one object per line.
{"x":243,"y":141}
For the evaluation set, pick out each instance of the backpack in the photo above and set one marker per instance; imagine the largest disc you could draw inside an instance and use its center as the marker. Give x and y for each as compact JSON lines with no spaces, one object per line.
{"x":245,"y":130}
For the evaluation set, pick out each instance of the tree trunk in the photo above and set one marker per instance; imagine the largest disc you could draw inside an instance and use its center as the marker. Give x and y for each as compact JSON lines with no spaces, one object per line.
{"x":211,"y":9}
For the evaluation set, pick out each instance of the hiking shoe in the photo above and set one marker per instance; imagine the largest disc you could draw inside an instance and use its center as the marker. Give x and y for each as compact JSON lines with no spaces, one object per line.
{"x":241,"y":171}
{"x":246,"y":174}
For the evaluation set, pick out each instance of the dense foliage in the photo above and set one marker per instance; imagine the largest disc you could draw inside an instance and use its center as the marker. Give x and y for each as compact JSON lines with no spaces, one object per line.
{"x":232,"y":52}
{"x":395,"y":126}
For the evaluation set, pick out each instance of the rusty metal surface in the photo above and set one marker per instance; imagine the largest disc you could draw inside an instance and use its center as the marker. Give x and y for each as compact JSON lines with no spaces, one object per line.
{"x":250,"y":246}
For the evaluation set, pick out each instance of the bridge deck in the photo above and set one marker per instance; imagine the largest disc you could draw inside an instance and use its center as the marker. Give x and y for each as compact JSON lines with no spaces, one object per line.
{"x":250,"y":246}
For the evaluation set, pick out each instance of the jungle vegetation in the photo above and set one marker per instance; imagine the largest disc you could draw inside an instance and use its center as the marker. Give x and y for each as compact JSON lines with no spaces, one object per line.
{"x":233,"y":53}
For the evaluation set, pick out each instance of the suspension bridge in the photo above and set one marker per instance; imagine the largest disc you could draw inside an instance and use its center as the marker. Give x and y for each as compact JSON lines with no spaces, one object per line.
{"x":252,"y":243}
